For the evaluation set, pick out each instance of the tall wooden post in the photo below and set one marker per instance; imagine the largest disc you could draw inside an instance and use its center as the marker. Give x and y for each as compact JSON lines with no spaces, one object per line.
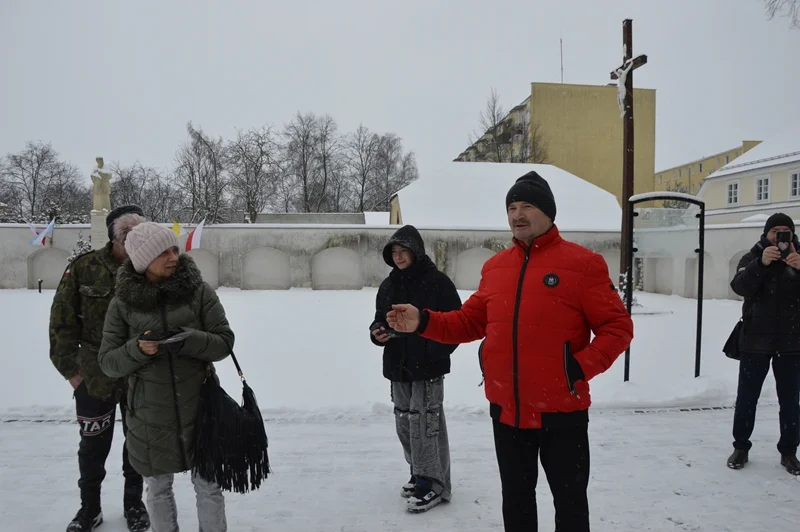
{"x":624,"y":75}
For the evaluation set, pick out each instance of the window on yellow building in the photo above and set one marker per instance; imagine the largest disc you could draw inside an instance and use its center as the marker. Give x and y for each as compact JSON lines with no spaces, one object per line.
{"x":762,"y":189}
{"x":794,"y":184}
{"x":732,"y":194}
{"x":727,"y":159}
{"x":700,"y":168}
{"x":659,"y":180}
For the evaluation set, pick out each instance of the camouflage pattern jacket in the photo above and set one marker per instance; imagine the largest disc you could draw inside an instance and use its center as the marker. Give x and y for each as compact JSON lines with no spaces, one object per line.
{"x":77,"y":317}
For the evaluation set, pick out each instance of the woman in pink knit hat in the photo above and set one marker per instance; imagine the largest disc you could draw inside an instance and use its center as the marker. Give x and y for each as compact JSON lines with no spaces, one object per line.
{"x":161,"y":293}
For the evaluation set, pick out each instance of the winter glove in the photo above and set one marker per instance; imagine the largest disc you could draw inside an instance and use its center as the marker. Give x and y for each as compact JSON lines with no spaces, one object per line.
{"x":574,"y":369}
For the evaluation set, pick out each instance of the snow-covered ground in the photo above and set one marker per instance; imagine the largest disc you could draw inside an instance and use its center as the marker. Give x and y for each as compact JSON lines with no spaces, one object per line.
{"x":338,"y":465}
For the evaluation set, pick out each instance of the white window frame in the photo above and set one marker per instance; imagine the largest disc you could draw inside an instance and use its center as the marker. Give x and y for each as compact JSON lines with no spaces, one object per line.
{"x":738,"y":190}
{"x":794,"y":173}
{"x":768,"y":179}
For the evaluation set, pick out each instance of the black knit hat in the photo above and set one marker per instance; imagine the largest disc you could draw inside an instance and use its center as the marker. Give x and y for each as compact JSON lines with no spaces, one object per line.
{"x":778,"y":219}
{"x":116,"y":213}
{"x":532,"y":188}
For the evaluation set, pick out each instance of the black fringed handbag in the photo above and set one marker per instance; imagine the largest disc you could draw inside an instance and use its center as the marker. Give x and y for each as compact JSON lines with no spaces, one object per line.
{"x":230,"y":439}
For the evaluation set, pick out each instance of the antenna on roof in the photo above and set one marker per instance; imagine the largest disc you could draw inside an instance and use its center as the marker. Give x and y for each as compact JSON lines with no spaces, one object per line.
{"x":561,"y":41}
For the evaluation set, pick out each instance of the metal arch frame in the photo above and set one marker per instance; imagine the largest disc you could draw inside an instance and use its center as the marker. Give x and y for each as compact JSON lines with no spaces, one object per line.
{"x":700,"y":250}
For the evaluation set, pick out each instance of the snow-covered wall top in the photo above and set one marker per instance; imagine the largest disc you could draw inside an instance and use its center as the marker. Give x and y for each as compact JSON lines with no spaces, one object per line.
{"x":461,"y":194}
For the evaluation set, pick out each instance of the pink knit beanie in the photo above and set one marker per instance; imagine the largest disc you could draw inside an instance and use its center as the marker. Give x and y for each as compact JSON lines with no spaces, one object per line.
{"x":146,"y":242}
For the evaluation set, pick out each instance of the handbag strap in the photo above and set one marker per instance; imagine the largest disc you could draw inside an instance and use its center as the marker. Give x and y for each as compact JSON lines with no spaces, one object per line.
{"x":203,"y":325}
{"x":238,"y":368}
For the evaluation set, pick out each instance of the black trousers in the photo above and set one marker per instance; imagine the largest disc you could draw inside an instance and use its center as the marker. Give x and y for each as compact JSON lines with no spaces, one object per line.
{"x":96,"y":419}
{"x":753,"y":370}
{"x":564,"y":454}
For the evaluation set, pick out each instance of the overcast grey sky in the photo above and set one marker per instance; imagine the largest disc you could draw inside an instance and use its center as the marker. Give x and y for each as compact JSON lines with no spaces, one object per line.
{"x":121,"y":80}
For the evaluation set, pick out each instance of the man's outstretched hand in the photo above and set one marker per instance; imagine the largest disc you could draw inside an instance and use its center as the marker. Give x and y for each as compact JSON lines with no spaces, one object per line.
{"x":403,"y":318}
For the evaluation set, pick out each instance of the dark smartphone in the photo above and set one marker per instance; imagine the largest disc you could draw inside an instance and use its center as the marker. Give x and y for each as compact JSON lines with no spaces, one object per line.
{"x":783,"y":239}
{"x":386,"y":330}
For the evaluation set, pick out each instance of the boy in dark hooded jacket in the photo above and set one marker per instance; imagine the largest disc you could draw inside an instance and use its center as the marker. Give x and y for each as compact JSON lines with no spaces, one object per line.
{"x":416,"y":367}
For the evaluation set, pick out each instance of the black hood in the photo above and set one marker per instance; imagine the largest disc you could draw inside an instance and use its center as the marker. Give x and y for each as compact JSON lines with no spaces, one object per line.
{"x":408,"y":237}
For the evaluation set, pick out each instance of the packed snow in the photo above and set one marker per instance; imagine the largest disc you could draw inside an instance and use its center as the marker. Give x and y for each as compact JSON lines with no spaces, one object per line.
{"x":659,"y":442}
{"x":473,"y":195}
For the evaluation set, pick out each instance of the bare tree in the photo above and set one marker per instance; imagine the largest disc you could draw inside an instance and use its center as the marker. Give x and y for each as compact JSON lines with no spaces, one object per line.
{"x":393,"y":170}
{"x":130,"y":183}
{"x":362,"y":156}
{"x":785,"y":8}
{"x":199,"y":175}
{"x":533,"y":145}
{"x":146,"y":187}
{"x":300,"y":151}
{"x":164,"y":200}
{"x":328,"y":166}
{"x":253,"y":166}
{"x":677,"y":204}
{"x":34,"y":178}
{"x":490,"y":128}
{"x":67,"y":201}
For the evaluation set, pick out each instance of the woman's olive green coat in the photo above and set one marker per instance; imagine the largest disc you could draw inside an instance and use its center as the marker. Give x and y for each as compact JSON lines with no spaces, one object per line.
{"x":160,"y":436}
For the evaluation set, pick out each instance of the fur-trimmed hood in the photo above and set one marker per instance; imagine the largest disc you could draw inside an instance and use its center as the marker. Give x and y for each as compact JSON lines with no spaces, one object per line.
{"x":136,"y":290}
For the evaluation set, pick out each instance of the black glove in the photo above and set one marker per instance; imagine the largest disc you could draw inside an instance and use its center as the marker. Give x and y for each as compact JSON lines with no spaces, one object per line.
{"x":574,"y":369}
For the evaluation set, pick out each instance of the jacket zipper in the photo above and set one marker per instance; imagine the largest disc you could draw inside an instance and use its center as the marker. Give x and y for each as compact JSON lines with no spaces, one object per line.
{"x":567,"y":354}
{"x":779,"y":303}
{"x":480,"y":362}
{"x":514,"y":337}
{"x":133,"y":394}
{"x":174,"y":393}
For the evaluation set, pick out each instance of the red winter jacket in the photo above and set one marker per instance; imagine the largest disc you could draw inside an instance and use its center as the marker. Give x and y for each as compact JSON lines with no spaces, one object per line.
{"x":536,"y":310}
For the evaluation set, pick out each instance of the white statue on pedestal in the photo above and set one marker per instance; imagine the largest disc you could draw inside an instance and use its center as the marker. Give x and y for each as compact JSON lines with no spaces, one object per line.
{"x":101,"y":191}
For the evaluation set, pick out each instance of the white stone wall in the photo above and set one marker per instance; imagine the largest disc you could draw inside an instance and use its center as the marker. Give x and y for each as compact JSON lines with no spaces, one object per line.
{"x":278,"y":257}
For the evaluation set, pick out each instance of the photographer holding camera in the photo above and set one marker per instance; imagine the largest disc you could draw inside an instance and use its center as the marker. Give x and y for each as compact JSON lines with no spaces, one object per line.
{"x":416,"y":367}
{"x":767,"y":277}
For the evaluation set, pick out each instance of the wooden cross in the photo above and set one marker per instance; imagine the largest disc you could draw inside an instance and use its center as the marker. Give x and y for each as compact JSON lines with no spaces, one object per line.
{"x":624,"y":74}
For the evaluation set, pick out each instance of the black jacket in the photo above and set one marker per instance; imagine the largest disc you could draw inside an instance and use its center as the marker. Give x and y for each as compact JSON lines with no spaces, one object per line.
{"x":771,"y":306}
{"x":409,"y":357}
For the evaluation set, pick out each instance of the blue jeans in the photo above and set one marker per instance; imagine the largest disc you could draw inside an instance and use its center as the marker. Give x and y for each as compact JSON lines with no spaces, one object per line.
{"x":753,"y":370}
{"x":164,"y":512}
{"x":421,"y":428}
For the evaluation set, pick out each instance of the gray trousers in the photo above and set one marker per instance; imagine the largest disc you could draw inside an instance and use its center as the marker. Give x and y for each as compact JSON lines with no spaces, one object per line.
{"x":164,"y":512}
{"x":421,"y":427}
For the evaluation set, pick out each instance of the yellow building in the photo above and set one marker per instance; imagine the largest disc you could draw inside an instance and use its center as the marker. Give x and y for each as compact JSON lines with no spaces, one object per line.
{"x":689,"y":177}
{"x":577,"y":128}
{"x":764,"y":181}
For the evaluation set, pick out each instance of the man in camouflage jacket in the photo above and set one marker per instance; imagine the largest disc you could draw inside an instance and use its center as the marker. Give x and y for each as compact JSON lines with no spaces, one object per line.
{"x":77,"y":316}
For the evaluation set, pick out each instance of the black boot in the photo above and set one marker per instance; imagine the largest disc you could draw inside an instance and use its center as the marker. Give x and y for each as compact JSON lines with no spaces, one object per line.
{"x":137,"y":517}
{"x":409,"y":487}
{"x":86,"y":520}
{"x":738,"y":459}
{"x":791,"y":463}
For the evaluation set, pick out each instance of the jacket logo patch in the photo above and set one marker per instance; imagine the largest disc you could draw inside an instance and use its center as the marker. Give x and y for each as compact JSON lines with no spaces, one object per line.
{"x":551,"y":280}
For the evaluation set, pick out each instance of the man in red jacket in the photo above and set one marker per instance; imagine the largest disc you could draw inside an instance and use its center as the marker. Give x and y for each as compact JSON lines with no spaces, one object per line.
{"x":535,"y":307}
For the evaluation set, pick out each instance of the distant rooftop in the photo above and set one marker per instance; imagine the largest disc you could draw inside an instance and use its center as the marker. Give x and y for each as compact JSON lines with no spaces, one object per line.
{"x":472,"y":195}
{"x":778,"y":150}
